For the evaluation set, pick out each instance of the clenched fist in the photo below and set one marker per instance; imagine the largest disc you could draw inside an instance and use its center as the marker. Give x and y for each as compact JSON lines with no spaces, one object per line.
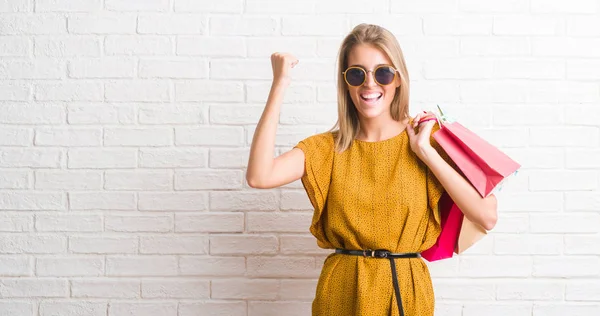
{"x":282,"y":63}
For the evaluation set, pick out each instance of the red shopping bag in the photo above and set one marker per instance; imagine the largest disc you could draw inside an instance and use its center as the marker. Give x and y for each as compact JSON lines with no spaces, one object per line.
{"x":484,"y":165}
{"x":451,"y":220}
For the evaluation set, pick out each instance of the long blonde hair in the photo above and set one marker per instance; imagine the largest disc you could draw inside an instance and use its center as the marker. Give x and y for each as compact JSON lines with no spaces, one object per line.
{"x":347,"y":126}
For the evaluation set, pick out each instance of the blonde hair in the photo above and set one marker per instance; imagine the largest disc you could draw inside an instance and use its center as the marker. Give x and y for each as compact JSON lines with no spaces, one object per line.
{"x":347,"y":126}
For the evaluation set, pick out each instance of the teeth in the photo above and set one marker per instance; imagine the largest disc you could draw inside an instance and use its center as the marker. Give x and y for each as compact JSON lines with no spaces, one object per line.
{"x":371,"y":95}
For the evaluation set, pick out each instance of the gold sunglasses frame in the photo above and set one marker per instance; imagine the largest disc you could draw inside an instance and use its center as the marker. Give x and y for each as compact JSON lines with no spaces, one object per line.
{"x":366,"y":72}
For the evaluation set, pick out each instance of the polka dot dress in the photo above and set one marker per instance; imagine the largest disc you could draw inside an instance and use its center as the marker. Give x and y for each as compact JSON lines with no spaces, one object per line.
{"x":375,"y":195}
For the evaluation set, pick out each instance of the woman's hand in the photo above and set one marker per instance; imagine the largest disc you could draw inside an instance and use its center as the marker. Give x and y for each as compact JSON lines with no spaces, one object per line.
{"x":282,"y":63}
{"x":420,"y":133}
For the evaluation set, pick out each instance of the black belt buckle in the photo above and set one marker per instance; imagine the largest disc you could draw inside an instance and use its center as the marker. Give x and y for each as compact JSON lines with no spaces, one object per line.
{"x":375,"y":253}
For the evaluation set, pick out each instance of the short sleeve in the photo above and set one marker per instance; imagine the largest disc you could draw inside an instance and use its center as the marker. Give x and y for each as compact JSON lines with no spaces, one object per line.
{"x":318,"y":163}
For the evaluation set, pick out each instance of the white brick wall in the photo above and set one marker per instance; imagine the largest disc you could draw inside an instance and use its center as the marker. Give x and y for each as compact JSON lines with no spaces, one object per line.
{"x":125,"y":128}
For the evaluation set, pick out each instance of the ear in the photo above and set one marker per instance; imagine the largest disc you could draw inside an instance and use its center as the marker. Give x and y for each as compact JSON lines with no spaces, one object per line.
{"x":398,"y":82}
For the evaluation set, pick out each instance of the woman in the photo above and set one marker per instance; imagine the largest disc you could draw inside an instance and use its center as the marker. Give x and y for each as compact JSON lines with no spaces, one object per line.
{"x":374,"y":182}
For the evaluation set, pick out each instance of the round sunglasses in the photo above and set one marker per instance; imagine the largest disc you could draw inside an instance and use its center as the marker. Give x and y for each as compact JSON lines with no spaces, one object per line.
{"x":383,"y":75}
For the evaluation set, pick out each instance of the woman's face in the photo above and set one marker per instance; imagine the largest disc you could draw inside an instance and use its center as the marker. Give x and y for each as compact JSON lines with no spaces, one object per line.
{"x":371,"y":99}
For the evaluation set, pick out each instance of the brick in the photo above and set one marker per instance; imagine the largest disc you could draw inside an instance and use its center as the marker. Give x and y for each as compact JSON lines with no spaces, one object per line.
{"x":566,"y":267}
{"x":210,"y":223}
{"x":578,"y":290}
{"x":212,"y":266}
{"x":528,"y":244}
{"x":420,"y":90}
{"x":138,"y":180}
{"x":138,"y":90}
{"x":228,"y":158}
{"x":579,"y":69}
{"x":532,"y":202}
{"x":172,"y":24}
{"x":138,"y":45}
{"x":210,"y":46}
{"x":15,"y":266}
{"x":278,"y":222}
{"x":16,"y":136}
{"x":174,"y":244}
{"x":213,"y":307}
{"x":245,"y":26}
{"x":14,"y":179}
{"x":276,"y":6}
{"x":15,"y":91}
{"x":314,"y":115}
{"x":298,"y":289}
{"x":29,"y":288}
{"x":256,"y":200}
{"x":225,"y":6}
{"x":209,"y":91}
{"x":315,"y":70}
{"x":427,"y":6}
{"x":235,"y":115}
{"x":13,"y":46}
{"x":328,"y":47}
{"x":553,"y":309}
{"x":295,"y":201}
{"x":458,"y":69}
{"x":95,"y":113}
{"x":173,"y":68}
{"x":68,"y":5}
{"x":582,"y":25}
{"x":68,"y":223}
{"x":563,"y":180}
{"x":102,"y":23}
{"x":263,"y":47}
{"x":256,"y":289}
{"x":243,"y":244}
{"x":554,"y":6}
{"x":69,"y":266}
{"x":173,"y":158}
{"x":209,"y":136}
{"x":173,"y":201}
{"x":175,"y":289}
{"x":105,"y":288}
{"x":211,"y":180}
{"x":582,"y":201}
{"x":528,"y":69}
{"x":146,"y":5}
{"x":352,"y":6}
{"x":16,"y":6}
{"x":102,"y":201}
{"x":32,"y":201}
{"x":172,"y":114}
{"x":582,"y":158}
{"x":142,"y":309}
{"x":582,"y":244}
{"x":474,"y":290}
{"x":144,"y":136}
{"x":280,"y":267}
{"x":68,"y":91}
{"x":300,"y":245}
{"x":322,"y":25}
{"x":562,"y":137}
{"x":472,"y":309}
{"x":13,"y":307}
{"x":528,"y":25}
{"x":103,"y":244}
{"x":138,"y":223}
{"x":513,"y":223}
{"x":24,"y":24}
{"x":540,"y":290}
{"x":296,"y":93}
{"x":494,"y":46}
{"x":141,"y":266}
{"x":34,"y":69}
{"x":489,"y":266}
{"x":81,"y":137}
{"x":63,"y":46}
{"x":15,"y":222}
{"x":489,"y":6}
{"x":563,"y":223}
{"x":457,"y":25}
{"x":277,"y":308}
{"x":240,"y":69}
{"x":107,"y":67}
{"x":101,"y":158}
{"x":73,"y":308}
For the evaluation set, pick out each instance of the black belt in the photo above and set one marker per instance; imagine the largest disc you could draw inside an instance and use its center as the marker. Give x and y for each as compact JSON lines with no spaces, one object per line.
{"x":384,"y":254}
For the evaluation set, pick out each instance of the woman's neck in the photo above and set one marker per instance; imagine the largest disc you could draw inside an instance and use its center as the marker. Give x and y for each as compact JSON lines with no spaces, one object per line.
{"x":380,"y":128}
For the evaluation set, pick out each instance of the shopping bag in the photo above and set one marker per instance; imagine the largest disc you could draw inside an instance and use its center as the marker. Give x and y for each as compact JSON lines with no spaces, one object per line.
{"x":484,"y":165}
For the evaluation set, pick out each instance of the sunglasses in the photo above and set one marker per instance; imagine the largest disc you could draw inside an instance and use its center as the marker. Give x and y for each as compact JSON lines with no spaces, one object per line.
{"x":356,"y":76}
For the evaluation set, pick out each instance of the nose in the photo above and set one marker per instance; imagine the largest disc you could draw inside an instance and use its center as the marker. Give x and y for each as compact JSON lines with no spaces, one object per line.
{"x":370,"y":79}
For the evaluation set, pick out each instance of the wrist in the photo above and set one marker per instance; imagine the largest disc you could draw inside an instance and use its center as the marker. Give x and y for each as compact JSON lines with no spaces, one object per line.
{"x":281,"y":82}
{"x":427,"y":153}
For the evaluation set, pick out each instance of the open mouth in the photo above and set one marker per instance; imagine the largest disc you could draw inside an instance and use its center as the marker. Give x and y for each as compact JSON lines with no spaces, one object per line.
{"x":371,"y":97}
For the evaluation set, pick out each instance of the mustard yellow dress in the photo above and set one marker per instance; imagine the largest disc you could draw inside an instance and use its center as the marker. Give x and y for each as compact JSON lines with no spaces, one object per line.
{"x":375,"y":195}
